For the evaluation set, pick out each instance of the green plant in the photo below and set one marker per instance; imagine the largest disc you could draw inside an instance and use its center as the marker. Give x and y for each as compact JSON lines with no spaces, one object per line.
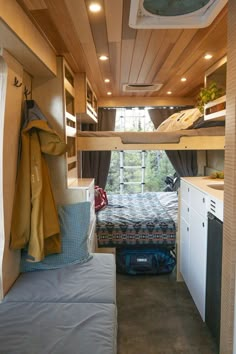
{"x":208,"y":94}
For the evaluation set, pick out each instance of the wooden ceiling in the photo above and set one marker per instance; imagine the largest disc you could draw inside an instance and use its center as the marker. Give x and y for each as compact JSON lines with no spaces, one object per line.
{"x":135,"y":56}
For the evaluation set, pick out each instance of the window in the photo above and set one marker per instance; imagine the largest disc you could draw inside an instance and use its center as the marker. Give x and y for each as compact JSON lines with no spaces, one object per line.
{"x":135,"y":171}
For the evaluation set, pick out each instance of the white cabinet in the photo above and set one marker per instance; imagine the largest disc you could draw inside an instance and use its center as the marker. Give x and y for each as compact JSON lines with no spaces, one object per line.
{"x":193,"y":243}
{"x":86,"y":187}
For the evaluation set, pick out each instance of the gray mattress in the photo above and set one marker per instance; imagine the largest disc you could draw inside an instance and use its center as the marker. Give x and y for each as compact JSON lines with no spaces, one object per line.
{"x":94,"y":281}
{"x":42,"y":328}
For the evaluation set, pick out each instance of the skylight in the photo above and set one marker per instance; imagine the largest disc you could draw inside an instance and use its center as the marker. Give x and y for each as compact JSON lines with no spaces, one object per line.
{"x":174,"y":13}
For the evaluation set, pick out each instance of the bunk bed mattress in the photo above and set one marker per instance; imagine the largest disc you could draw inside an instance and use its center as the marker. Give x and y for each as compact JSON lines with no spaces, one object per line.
{"x":27,"y":328}
{"x":148,"y":219}
{"x":71,"y":284}
{"x":155,"y":137}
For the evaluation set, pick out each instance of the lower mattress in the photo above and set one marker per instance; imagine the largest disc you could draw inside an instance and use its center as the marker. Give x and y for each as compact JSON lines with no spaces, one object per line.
{"x":94,"y":281}
{"x":138,"y":220}
{"x":53,"y":328}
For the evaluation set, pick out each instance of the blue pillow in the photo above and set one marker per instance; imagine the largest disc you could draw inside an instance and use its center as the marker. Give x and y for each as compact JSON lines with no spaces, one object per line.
{"x":74,"y":224}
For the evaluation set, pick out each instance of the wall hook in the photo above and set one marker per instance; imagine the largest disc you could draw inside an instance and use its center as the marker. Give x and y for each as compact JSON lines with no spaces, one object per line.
{"x":26,"y":92}
{"x":17,"y":83}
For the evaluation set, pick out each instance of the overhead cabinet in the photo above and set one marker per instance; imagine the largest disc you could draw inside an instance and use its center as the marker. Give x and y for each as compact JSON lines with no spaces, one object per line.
{"x":86,"y":100}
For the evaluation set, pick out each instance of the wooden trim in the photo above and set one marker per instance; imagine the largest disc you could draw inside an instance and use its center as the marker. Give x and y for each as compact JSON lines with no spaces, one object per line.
{"x":115,"y":144}
{"x":145,"y":101}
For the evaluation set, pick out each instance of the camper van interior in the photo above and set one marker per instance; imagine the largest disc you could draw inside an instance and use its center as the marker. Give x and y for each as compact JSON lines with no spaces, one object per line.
{"x":152,"y":271}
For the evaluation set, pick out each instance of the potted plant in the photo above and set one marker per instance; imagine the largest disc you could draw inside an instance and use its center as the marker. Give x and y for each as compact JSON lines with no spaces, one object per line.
{"x":207,"y":94}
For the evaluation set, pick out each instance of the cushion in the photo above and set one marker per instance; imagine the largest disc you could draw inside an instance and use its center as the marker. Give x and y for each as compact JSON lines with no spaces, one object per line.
{"x":181,"y":120}
{"x":74,"y":224}
{"x":201,"y":123}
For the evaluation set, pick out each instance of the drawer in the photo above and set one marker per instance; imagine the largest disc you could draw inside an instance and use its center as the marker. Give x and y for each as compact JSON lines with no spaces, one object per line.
{"x":185,"y":191}
{"x":184,"y":210}
{"x":198,"y":201}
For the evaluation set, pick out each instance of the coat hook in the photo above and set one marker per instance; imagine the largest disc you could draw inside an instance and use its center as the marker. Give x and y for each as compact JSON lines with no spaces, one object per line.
{"x":17,"y":83}
{"x":26,"y":92}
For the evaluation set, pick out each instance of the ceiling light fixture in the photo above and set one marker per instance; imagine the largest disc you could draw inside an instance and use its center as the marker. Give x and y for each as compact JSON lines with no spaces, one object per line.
{"x":169,"y":92}
{"x":95,"y":7}
{"x":109,"y":93}
{"x":107,"y":80}
{"x":207,"y":56}
{"x":183,"y":79}
{"x":103,"y":57}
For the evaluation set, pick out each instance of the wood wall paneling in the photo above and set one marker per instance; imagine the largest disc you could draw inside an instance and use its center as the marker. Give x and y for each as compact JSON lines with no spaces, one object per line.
{"x":229,"y":236}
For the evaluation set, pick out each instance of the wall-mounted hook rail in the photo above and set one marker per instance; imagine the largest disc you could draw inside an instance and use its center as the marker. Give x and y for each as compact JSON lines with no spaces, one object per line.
{"x":26,"y":92}
{"x":17,"y":83}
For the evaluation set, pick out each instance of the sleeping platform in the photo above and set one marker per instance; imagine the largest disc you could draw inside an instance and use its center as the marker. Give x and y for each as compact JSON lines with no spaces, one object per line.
{"x":212,"y":138}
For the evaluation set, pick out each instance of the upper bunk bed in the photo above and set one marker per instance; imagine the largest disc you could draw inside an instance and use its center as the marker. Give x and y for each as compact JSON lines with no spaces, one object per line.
{"x":212,"y":138}
{"x":184,"y":130}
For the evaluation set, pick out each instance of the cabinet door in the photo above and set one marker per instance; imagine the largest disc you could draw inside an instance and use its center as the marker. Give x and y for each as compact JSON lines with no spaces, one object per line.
{"x":184,"y":250}
{"x":185,"y":191}
{"x":197,"y":260}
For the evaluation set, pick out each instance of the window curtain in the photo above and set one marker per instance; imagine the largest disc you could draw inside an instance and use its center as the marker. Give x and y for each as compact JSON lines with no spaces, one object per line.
{"x":95,"y":164}
{"x":183,"y":161}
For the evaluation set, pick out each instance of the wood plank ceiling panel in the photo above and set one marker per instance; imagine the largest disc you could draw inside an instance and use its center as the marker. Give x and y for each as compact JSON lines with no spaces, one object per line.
{"x":113,"y":11}
{"x":154,"y":45}
{"x":79,"y":17}
{"x":190,"y":62}
{"x":35,"y":4}
{"x":99,"y":32}
{"x":141,"y":44}
{"x":127,"y":47}
{"x":171,"y":36}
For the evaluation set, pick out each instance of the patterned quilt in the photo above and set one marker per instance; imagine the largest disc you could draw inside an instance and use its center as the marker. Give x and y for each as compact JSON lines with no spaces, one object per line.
{"x":136,"y":219}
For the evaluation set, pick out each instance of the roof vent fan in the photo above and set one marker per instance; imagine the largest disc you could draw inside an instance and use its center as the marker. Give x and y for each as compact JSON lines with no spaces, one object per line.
{"x":141,"y":87}
{"x":174,"y":13}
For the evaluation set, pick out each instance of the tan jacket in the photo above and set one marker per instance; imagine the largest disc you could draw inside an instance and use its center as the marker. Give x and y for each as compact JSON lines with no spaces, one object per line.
{"x":34,"y":220}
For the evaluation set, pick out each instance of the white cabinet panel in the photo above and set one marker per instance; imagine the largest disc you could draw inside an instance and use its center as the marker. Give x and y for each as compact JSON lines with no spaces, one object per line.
{"x":197,"y":260}
{"x":198,"y":200}
{"x":184,"y":250}
{"x":193,"y":243}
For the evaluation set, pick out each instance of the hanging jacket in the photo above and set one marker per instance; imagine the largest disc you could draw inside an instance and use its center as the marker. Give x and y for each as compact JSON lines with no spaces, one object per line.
{"x":35,"y":224}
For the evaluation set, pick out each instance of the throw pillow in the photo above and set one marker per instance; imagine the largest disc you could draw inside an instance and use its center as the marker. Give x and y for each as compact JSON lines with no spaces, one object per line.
{"x":181,"y":120}
{"x":74,"y":224}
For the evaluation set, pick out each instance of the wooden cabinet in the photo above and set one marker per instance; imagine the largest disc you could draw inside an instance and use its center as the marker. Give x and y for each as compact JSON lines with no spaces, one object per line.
{"x":56,"y":98}
{"x":193,"y":243}
{"x":11,"y":88}
{"x":86,"y":100}
{"x":70,"y":123}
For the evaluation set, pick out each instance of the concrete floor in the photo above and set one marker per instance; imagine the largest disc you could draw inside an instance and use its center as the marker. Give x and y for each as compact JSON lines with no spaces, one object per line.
{"x":156,"y":315}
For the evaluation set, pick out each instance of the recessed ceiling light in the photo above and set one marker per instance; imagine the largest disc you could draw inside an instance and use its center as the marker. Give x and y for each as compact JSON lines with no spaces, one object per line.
{"x":95,"y":7}
{"x":107,"y":80}
{"x":103,"y":57}
{"x":183,"y":79}
{"x":169,"y":92}
{"x":207,"y":56}
{"x":109,"y":93}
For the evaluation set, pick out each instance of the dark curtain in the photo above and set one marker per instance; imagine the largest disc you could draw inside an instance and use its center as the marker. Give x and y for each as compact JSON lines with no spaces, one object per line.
{"x":183,"y":161}
{"x":95,"y":164}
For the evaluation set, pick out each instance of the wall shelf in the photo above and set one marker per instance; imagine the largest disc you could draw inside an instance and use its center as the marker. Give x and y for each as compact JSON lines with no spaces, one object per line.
{"x":215,"y":110}
{"x":85,"y":100}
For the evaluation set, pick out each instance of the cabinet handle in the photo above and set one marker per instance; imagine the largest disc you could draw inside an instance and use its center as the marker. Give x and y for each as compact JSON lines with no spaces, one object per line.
{"x":203,"y":224}
{"x":188,"y":209}
{"x":188,"y":189}
{"x":203,"y":200}
{"x":187,"y":228}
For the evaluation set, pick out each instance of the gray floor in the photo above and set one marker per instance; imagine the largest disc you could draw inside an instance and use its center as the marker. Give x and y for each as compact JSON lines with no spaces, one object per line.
{"x":156,"y":315}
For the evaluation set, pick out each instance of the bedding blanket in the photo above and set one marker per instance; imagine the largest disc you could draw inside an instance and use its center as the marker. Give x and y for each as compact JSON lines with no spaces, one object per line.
{"x":136,"y":219}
